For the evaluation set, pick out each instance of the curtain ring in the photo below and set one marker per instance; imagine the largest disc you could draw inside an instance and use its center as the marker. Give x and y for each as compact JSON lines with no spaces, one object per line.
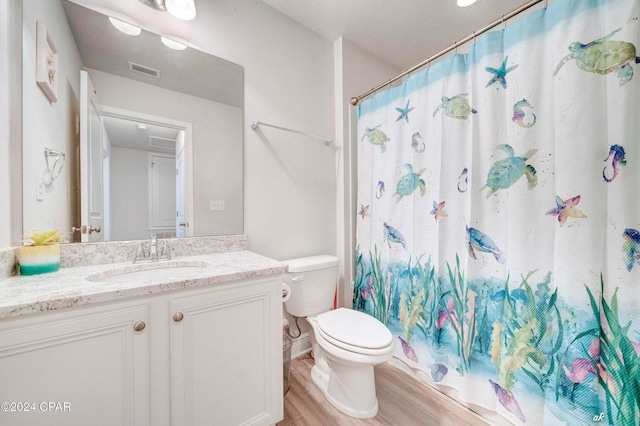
{"x":546,"y":3}
{"x":504,"y":23}
{"x":474,"y":37}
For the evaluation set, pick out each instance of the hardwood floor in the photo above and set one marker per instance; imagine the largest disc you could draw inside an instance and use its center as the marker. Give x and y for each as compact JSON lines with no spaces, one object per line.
{"x":402,"y":401}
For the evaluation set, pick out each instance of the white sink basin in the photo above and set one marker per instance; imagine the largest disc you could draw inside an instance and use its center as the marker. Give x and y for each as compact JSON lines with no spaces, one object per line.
{"x":147,"y":272}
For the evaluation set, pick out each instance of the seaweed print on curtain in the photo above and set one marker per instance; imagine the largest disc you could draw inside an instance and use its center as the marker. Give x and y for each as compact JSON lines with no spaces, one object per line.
{"x":498,"y":227}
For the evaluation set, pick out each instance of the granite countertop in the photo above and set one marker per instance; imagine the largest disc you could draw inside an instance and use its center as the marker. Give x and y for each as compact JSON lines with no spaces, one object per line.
{"x":21,"y":295}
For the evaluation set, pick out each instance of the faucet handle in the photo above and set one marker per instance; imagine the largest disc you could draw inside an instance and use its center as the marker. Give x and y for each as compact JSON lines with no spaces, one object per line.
{"x":153,"y":253}
{"x":153,"y":247}
{"x":139,"y":253}
{"x":166,"y":252}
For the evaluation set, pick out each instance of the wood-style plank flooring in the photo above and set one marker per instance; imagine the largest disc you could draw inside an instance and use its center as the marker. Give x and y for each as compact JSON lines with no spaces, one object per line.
{"x":402,"y":401}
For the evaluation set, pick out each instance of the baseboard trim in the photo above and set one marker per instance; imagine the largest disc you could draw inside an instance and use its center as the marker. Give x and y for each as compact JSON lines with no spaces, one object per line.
{"x":301,"y":346}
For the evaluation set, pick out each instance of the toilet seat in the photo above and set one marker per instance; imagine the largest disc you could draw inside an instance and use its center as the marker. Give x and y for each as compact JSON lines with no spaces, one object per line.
{"x":354,"y":331}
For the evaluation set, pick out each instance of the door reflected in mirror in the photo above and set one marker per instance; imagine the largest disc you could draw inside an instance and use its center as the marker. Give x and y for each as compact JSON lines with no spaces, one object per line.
{"x":144,"y":162}
{"x":146,"y":154}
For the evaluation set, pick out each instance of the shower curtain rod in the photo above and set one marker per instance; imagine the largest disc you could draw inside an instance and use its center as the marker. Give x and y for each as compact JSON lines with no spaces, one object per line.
{"x":354,"y":100}
{"x":256,"y":124}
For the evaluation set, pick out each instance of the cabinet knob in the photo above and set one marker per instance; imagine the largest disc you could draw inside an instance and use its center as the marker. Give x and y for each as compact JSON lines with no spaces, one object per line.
{"x":178,"y":316}
{"x":139,"y":326}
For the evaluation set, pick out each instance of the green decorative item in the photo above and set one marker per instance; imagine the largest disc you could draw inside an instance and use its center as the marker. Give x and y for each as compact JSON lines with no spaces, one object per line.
{"x":507,"y":171}
{"x":603,"y":56}
{"x":376,"y":137}
{"x":409,"y":182}
{"x":40,"y":253}
{"x":456,"y":107}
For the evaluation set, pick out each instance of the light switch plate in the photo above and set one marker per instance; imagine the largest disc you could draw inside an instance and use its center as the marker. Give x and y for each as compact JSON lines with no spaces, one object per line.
{"x":216,"y":205}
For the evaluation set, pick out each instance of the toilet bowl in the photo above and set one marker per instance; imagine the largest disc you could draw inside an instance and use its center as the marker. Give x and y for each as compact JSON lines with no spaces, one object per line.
{"x":344,"y":360}
{"x":346,"y":344}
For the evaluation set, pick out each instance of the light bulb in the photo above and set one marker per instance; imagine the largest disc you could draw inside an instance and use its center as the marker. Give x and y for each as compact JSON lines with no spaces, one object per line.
{"x":125,"y":27}
{"x":172,"y":44}
{"x":465,"y":3}
{"x":181,"y":9}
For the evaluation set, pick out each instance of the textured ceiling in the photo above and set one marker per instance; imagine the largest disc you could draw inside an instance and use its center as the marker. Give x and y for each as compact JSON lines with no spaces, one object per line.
{"x":401,"y":32}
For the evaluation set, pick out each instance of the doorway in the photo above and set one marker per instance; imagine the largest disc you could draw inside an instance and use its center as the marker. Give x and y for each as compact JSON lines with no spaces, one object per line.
{"x":147,"y":186}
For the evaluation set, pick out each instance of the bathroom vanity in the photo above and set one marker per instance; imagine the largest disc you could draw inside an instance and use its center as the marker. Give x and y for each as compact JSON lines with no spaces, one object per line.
{"x":196,"y":341}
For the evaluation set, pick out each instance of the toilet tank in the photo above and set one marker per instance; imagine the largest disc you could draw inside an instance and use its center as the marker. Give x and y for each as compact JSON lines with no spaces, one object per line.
{"x":313,"y":283}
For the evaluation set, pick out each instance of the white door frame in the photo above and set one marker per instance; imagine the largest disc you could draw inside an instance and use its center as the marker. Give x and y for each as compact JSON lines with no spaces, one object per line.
{"x":90,"y":217}
{"x":109,"y":111}
{"x":181,"y":220}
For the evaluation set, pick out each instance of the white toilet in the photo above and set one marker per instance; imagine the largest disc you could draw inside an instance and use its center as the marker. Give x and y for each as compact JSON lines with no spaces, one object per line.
{"x":347,"y":344}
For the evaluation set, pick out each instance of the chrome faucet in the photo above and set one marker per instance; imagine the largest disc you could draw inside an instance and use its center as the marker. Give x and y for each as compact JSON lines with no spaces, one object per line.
{"x":153,"y":248}
{"x":155,"y":253}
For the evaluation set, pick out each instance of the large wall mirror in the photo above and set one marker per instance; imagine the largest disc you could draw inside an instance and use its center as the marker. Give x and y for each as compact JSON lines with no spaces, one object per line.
{"x":138,"y":139}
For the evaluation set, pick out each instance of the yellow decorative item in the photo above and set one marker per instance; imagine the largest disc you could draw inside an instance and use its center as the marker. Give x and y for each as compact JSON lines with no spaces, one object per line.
{"x":41,"y":253}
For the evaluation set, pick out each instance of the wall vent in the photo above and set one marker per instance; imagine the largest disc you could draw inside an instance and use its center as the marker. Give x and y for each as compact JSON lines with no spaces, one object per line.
{"x":141,"y":69}
{"x":159,"y":142}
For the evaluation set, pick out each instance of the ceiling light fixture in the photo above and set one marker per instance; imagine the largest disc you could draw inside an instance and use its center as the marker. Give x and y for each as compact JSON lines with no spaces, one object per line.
{"x":465,"y":3}
{"x":125,"y":27}
{"x":172,"y":44}
{"x":155,"y":4}
{"x":142,"y":127}
{"x":181,"y":9}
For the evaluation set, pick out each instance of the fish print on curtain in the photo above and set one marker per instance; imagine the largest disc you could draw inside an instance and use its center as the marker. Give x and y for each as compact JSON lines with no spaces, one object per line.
{"x":498,"y":229}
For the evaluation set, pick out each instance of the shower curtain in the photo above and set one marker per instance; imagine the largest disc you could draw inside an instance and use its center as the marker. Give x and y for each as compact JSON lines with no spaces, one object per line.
{"x":498,"y":217}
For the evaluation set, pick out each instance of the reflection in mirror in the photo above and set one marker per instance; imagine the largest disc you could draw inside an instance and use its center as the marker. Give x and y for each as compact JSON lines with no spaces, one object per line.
{"x":146,"y":154}
{"x":145,"y":159}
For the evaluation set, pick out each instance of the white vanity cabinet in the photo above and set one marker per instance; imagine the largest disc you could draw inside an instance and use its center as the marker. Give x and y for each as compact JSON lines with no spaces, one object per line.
{"x":226,"y":356}
{"x":210,"y":355}
{"x":79,"y":367}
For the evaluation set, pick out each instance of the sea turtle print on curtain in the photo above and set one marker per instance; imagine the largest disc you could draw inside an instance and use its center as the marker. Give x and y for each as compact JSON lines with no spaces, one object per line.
{"x":505,"y":257}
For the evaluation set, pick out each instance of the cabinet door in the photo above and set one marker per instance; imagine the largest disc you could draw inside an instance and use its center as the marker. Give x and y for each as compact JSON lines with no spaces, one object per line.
{"x":226,"y":356}
{"x":75,"y":369}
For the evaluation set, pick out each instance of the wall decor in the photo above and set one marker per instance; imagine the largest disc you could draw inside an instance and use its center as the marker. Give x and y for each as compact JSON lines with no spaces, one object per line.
{"x":46,"y":62}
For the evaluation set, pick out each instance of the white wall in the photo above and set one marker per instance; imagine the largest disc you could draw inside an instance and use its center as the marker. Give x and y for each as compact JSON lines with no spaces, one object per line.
{"x":356,"y":71}
{"x":129,"y":194}
{"x":290,"y":181}
{"x":5,"y":149}
{"x":217,"y":145}
{"x":10,"y":122}
{"x":46,"y":124}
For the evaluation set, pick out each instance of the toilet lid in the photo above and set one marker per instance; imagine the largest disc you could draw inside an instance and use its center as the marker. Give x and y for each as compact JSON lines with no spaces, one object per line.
{"x":354,"y":328}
